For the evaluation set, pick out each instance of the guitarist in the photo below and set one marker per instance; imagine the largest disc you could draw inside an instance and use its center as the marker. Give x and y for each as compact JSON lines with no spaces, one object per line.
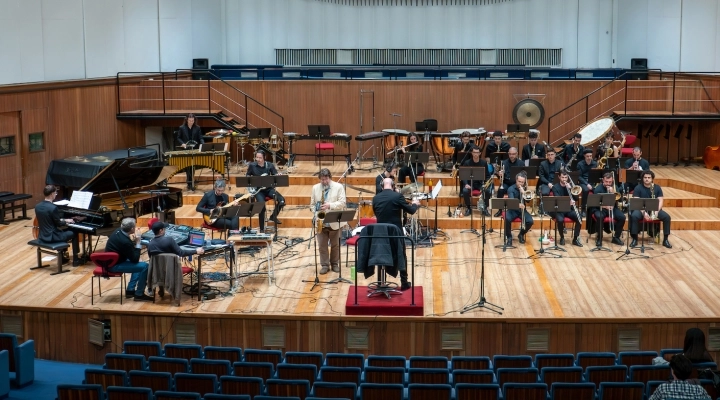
{"x":213,"y":199}
{"x":258,"y":168}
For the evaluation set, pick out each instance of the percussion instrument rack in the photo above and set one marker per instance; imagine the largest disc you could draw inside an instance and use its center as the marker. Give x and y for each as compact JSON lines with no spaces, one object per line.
{"x":337,"y":138}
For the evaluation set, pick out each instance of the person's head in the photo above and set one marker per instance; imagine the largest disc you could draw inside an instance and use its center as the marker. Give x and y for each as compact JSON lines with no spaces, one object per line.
{"x":648,"y":177}
{"x":219,"y":186}
{"x":497,"y":137}
{"x":637,"y":153}
{"x":387,"y":183}
{"x":390,"y":170}
{"x":694,"y":345}
{"x":259,"y":157}
{"x":413,"y":138}
{"x":49,"y":190}
{"x":325,"y":177}
{"x":533,"y":138}
{"x":127,"y":225}
{"x":465,"y":137}
{"x":512,"y":154}
{"x":588,"y":154}
{"x":576,"y":138}
{"x":158,"y":228}
{"x":681,"y":367}
{"x":550,"y":155}
{"x":475,"y":153}
{"x":563,"y":178}
{"x":520,"y":179}
{"x":607,"y":179}
{"x":609,"y":140}
{"x":189,"y":120}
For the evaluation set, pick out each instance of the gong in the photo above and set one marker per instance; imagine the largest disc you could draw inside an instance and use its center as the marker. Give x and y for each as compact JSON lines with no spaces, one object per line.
{"x":529,"y":112}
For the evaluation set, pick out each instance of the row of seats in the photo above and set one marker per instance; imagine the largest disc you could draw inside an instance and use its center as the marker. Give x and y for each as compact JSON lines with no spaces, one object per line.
{"x":95,"y":392}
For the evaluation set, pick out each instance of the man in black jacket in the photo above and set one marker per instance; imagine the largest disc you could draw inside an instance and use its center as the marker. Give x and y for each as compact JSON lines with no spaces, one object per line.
{"x":165,"y":244}
{"x":214,"y":198}
{"x":504,"y":173}
{"x":563,"y":189}
{"x":388,"y":206}
{"x":584,"y":168}
{"x":516,"y":192}
{"x":636,"y":163}
{"x":573,"y":151}
{"x":476,"y":184}
{"x":128,"y":249}
{"x":548,"y":169}
{"x":190,"y":131}
{"x":390,"y":171}
{"x":259,"y":168}
{"x":50,"y":221}
{"x":533,"y":149}
{"x":497,"y":145}
{"x":608,"y":186}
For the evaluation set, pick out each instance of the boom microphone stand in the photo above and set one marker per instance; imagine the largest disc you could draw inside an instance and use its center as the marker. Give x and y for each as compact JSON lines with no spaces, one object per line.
{"x":471,"y":174}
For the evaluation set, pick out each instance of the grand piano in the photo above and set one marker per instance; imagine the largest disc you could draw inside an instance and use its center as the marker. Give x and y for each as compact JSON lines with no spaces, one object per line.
{"x":124,"y":183}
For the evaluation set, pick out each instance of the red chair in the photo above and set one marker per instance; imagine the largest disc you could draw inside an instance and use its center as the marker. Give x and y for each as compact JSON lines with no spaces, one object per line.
{"x":627,"y":149}
{"x":352,"y":241}
{"x":212,"y":229}
{"x":606,"y":220}
{"x":320,"y":147}
{"x":152,"y":221}
{"x":104,"y":262}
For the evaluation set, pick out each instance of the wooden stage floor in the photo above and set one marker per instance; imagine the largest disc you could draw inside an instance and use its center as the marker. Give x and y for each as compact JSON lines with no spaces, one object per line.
{"x":672,"y":284}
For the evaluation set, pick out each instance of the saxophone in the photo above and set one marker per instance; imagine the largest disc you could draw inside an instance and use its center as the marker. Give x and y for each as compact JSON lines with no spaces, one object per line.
{"x":319,"y":214}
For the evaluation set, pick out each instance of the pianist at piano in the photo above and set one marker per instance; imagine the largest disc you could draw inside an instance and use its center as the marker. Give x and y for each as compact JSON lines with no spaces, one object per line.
{"x":50,"y":222}
{"x":214,"y":198}
{"x":128,"y":250}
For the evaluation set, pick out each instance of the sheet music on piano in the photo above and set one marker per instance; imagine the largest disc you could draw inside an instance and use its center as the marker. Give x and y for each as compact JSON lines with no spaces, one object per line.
{"x":80,"y":199}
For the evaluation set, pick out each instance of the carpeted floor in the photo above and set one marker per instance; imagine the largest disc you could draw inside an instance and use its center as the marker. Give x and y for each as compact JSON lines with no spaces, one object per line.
{"x":48,"y":374}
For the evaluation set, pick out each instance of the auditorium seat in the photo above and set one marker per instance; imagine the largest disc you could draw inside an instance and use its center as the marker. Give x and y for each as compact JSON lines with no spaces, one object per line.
{"x":428,"y":362}
{"x":156,"y":381}
{"x":272,"y":356}
{"x":232,"y":354}
{"x":554,"y":360}
{"x":333,"y":390}
{"x":148,"y":349}
{"x":125,"y":362}
{"x":215,"y":367}
{"x":340,"y":374}
{"x":376,"y":391}
{"x":572,"y":391}
{"x":384,"y":375}
{"x":386,"y":361}
{"x":186,"y":351}
{"x":439,"y":376}
{"x":252,"y":386}
{"x":79,"y":392}
{"x":105,"y":377}
{"x":306,"y":372}
{"x":345,"y":360}
{"x":593,"y":358}
{"x":524,"y":391}
{"x":474,"y":376}
{"x":263,"y":370}
{"x":129,"y":393}
{"x":171,"y":365}
{"x":303,"y":357}
{"x":423,"y":391}
{"x":471,"y":362}
{"x":473,"y":391}
{"x":631,"y":358}
{"x":646,"y":373}
{"x":620,"y":391}
{"x":516,"y":375}
{"x":550,"y":375}
{"x":611,"y":373}
{"x":288,"y":387}
{"x":196,"y":383}
{"x":502,"y":361}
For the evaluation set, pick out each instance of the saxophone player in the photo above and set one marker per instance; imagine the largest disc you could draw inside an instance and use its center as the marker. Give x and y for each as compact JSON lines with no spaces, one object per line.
{"x":461,"y":147}
{"x":608,"y":144}
{"x":497,"y":145}
{"x":532,"y":149}
{"x":506,"y":180}
{"x":517,"y":191}
{"x":574,"y":148}
{"x":584,"y":168}
{"x":563,"y":189}
{"x":326,"y":196}
{"x":608,"y":185}
{"x":649,"y":190}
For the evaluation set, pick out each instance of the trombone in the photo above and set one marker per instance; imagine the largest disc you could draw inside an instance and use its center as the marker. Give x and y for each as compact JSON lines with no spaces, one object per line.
{"x":525,"y":197}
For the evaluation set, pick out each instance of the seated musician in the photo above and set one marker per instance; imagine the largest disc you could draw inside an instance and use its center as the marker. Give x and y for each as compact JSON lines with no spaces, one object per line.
{"x":389,"y":172}
{"x":497,"y":145}
{"x":327,"y":196}
{"x":607,"y":144}
{"x":166,"y":244}
{"x":214,"y":198}
{"x":516,"y":191}
{"x":416,"y":168}
{"x":463,"y":146}
{"x":126,"y":243}
{"x":532,"y":149}
{"x":476,"y":184}
{"x":50,"y":222}
{"x":608,"y":186}
{"x":574,"y":150}
{"x":584,"y":167}
{"x":504,"y":173}
{"x":647,"y":190}
{"x":548,"y":169}
{"x":189,"y":131}
{"x":636,"y":163}
{"x":259,"y":168}
{"x":563,"y":189}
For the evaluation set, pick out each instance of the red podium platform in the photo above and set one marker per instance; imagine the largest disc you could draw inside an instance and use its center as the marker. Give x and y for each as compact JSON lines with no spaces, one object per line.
{"x":397,"y":305}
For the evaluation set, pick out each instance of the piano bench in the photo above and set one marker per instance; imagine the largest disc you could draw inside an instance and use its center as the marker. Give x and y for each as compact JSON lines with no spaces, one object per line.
{"x":55,"y":248}
{"x":8,"y":204}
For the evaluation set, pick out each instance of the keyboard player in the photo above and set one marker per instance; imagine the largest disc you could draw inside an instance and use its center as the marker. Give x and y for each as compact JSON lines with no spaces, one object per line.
{"x":50,"y":222}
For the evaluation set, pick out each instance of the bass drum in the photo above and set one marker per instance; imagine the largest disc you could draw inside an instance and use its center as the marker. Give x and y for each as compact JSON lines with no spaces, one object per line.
{"x":366,"y":209}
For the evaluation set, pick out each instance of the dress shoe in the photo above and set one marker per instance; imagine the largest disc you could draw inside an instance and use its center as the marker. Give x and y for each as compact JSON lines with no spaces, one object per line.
{"x":633,"y":242}
{"x":129,"y":294}
{"x":616,"y":240}
{"x":77,"y":263}
{"x":335,"y":268}
{"x":324,"y":270}
{"x":498,"y":214}
{"x":508,"y":242}
{"x":275,"y":220}
{"x":576,"y":242}
{"x":561,"y":242}
{"x":467,"y":212}
{"x":666,"y":243}
{"x":521,"y":238}
{"x":486,"y":212}
{"x":405,"y":286}
{"x":583,"y":215}
{"x":143,"y":297}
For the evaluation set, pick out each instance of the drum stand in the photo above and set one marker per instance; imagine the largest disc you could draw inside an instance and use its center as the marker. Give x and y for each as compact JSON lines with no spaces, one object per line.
{"x":240,"y":154}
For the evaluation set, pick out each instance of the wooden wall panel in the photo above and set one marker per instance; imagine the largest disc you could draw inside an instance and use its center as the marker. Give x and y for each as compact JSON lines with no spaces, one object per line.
{"x":11,"y":177}
{"x":34,"y":165}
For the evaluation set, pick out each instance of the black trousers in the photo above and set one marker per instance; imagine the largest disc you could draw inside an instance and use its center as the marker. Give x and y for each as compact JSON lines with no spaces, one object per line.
{"x":618,"y":226}
{"x":189,"y":176}
{"x":67,"y":236}
{"x":227,"y":223}
{"x":545,"y":190}
{"x":279,"y":204}
{"x":466,"y":193}
{"x":407,"y":172}
{"x":511,"y":215}
{"x":585,"y":194}
{"x":560,"y":219}
{"x":636,"y":222}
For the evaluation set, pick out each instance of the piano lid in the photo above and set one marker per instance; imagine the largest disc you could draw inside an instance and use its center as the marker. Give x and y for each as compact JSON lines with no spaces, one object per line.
{"x":90,"y":171}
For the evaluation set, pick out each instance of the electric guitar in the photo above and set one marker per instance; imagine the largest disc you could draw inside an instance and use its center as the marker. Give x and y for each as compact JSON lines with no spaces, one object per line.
{"x":217,"y":211}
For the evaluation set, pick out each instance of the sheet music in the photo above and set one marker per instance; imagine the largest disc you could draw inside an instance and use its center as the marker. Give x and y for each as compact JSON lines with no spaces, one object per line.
{"x":80,"y":199}
{"x":62,"y":202}
{"x":436,"y":189}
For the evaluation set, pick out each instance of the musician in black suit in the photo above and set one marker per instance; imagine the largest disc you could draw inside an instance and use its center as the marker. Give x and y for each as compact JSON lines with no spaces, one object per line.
{"x":507,"y":180}
{"x":608,"y":186}
{"x":259,"y":168}
{"x":533,"y":149}
{"x":476,"y":184}
{"x":607,"y":144}
{"x":214,"y":198}
{"x":584,"y":166}
{"x":563,"y":189}
{"x":463,"y":145}
{"x":388,"y":206}
{"x":548,"y":169}
{"x":389,"y":172}
{"x":189,"y":131}
{"x":516,"y":191}
{"x":637,"y":163}
{"x":416,"y":168}
{"x":574,"y":150}
{"x":50,"y":221}
{"x":647,"y":190}
{"x":497,"y":145}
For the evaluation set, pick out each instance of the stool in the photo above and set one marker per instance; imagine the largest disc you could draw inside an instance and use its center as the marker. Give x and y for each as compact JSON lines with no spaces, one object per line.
{"x":55,"y":248}
{"x":104,"y":262}
{"x":320,"y":147}
{"x":212,"y":229}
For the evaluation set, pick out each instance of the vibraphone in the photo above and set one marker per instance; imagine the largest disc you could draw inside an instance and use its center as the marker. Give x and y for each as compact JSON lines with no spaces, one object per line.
{"x":184,"y":159}
{"x":337,"y":138}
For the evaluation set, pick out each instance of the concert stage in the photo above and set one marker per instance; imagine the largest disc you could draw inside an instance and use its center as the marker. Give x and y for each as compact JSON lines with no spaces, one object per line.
{"x":581,"y":302}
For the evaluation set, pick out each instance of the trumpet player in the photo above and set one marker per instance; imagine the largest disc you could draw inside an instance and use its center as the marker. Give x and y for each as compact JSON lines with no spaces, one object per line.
{"x":326,"y":196}
{"x":518,"y":191}
{"x":636,"y":164}
{"x":649,"y":190}
{"x":584,"y":168}
{"x":476,"y":184}
{"x":608,"y":185}
{"x":532,"y":149}
{"x":563,"y":189}
{"x":417,"y":168}
{"x":506,"y":180}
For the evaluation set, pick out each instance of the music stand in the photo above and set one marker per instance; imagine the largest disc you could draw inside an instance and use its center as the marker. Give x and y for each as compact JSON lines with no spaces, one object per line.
{"x":425,"y":127}
{"x":623,"y":160}
{"x":595,"y":176}
{"x":275,"y":181}
{"x":646,"y":206}
{"x":247,"y":210}
{"x":535,"y":162}
{"x":633,"y":177}
{"x":319,"y":130}
{"x":505,"y":204}
{"x":600,"y":200}
{"x":413,"y":158}
{"x":340,"y":217}
{"x":559,"y":204}
{"x":612,"y":163}
{"x":531,"y":172}
{"x":497,"y":157}
{"x":472,"y":174}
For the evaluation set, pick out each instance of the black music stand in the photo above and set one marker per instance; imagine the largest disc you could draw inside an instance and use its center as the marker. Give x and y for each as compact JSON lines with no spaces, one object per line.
{"x":247,"y":210}
{"x":472,"y":174}
{"x":646,"y":206}
{"x":623,"y":160}
{"x":518,"y":128}
{"x":413,"y":158}
{"x":595,"y":176}
{"x":497,"y":157}
{"x":461,"y":157}
{"x":633,"y":177}
{"x":612,"y":163}
{"x":531,"y":172}
{"x":600,"y":200}
{"x":559,"y":204}
{"x":504,"y":204}
{"x":535,"y":162}
{"x":340,"y":217}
